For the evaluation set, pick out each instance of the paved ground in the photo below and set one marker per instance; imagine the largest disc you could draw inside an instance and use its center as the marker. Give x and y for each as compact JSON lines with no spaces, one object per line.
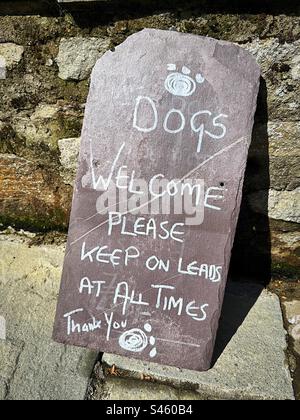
{"x":250,"y":360}
{"x":32,"y":366}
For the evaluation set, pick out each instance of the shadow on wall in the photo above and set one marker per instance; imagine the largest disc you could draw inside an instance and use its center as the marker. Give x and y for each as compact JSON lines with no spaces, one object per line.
{"x":104,"y":11}
{"x":25,"y":7}
{"x":89,"y":14}
{"x":251,"y":255}
{"x":239,"y":300}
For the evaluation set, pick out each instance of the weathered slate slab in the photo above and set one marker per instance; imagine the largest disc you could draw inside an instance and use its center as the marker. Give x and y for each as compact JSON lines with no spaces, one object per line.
{"x":167,"y":113}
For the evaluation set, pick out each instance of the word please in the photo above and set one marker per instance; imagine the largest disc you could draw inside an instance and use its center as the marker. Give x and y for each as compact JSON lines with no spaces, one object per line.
{"x":142,"y":227}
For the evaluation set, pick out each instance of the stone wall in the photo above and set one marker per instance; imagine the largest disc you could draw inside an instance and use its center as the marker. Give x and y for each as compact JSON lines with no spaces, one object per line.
{"x":45,"y":63}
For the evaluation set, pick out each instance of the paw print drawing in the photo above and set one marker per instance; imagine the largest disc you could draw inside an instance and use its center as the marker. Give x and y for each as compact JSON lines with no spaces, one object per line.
{"x":181,"y":84}
{"x":136,"y":340}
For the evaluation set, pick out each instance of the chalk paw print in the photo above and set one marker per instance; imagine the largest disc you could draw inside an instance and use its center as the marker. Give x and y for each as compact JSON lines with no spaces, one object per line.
{"x":181,"y":84}
{"x":137,"y":340}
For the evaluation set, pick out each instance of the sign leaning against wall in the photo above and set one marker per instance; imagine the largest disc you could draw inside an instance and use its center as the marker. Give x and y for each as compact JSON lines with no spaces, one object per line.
{"x":167,"y":127}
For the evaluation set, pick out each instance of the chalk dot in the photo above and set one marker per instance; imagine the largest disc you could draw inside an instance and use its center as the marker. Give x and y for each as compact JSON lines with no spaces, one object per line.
{"x":153,"y":353}
{"x":152,"y":341}
{"x":148,"y":328}
{"x":185,"y":70}
{"x":171,"y":67}
{"x":199,"y":78}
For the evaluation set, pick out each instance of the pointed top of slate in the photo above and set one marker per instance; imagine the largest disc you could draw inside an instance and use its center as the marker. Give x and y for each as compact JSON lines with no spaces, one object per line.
{"x":180,"y":107}
{"x":149,"y":43}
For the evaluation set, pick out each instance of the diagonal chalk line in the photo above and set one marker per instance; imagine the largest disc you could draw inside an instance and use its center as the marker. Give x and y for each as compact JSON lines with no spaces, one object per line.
{"x":82,"y":219}
{"x":225,"y":149}
{"x":178,"y":342}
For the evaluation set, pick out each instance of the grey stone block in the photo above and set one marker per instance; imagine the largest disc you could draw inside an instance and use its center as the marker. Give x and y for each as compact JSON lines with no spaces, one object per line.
{"x":32,"y":366}
{"x":292,"y":310}
{"x":77,"y":56}
{"x":130,"y":389}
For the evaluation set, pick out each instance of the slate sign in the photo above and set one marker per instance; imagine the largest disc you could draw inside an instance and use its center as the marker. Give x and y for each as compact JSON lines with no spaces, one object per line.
{"x":164,"y":146}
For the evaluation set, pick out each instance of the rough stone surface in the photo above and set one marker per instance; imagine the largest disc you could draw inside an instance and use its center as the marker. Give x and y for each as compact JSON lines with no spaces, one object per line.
{"x":292,"y":310}
{"x":28,"y":190}
{"x":273,"y":145}
{"x":130,"y":389}
{"x":77,"y":56}
{"x":282,"y":205}
{"x":2,"y":68}
{"x":284,"y":146}
{"x":11,"y":53}
{"x":2,"y":328}
{"x":279,"y":63}
{"x":285,"y":248}
{"x":69,"y":151}
{"x":32,"y":366}
{"x":45,"y":125}
{"x":250,"y":353}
